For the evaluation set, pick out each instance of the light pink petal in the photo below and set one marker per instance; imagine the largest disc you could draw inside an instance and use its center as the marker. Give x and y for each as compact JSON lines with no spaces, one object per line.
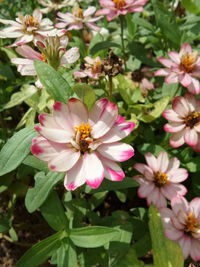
{"x":162,"y":72}
{"x":116,"y":151}
{"x":173,"y":234}
{"x":99,"y":106}
{"x":93,"y":170}
{"x":174,"y":127}
{"x":64,"y":161}
{"x":172,"y":78}
{"x":186,"y":80}
{"x":112,"y":170}
{"x":27,"y":52}
{"x":179,"y":204}
{"x":118,"y":132}
{"x":178,"y":175}
{"x":106,"y":120}
{"x":163,"y":161}
{"x":166,"y":62}
{"x":175,"y":57}
{"x":156,"y":198}
{"x":93,"y":26}
{"x":195,"y":250}
{"x":171,"y":115}
{"x":185,"y":243}
{"x":151,"y":161}
{"x":173,"y":190}
{"x":195,"y":206}
{"x":23,"y":40}
{"x":194,"y":86}
{"x":145,"y":190}
{"x":181,"y":106}
{"x":174,"y":164}
{"x":177,"y":139}
{"x":78,"y":112}
{"x":145,"y":170}
{"x":185,"y":48}
{"x":191,"y":137}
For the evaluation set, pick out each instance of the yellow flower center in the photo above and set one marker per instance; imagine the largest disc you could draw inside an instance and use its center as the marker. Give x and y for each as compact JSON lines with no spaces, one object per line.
{"x":84,"y":130}
{"x":44,"y":58}
{"x":119,"y":3}
{"x":97,"y":67}
{"x":188,"y":61}
{"x":160,"y":179}
{"x":192,"y":224}
{"x":192,"y":119}
{"x":78,"y":12}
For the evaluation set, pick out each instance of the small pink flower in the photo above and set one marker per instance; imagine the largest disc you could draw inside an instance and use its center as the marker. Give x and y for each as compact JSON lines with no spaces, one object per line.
{"x":83,"y":144}
{"x":182,"y":67}
{"x":182,"y":224}
{"x":184,"y":120}
{"x":53,"y":48}
{"x":114,"y":8}
{"x":28,"y":28}
{"x":78,"y":19}
{"x":93,"y":68}
{"x":160,"y":179}
{"x":53,"y":5}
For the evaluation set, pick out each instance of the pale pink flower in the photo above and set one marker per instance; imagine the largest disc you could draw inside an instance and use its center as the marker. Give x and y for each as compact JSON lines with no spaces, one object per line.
{"x":54,"y":5}
{"x":114,"y":8}
{"x":160,"y":179}
{"x":84,"y":144}
{"x":78,"y":19}
{"x":28,"y":28}
{"x":184,"y":122}
{"x":93,"y":68}
{"x":56,"y":55}
{"x":182,"y":67}
{"x":182,"y":224}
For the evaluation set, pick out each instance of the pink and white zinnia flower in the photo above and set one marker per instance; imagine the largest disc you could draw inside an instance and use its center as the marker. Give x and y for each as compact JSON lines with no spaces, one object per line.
{"x":182,"y":224}
{"x":114,"y":8}
{"x":78,"y":19}
{"x":83,"y":144}
{"x":160,"y":179}
{"x":184,"y":122}
{"x":28,"y":28}
{"x":183,"y":67}
{"x":54,"y":54}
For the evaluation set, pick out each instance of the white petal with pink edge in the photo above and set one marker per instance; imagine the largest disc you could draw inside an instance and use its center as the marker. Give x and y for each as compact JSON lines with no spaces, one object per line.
{"x":64,"y":161}
{"x":174,"y":164}
{"x":175,"y":57}
{"x":177,"y":139}
{"x":195,"y":249}
{"x":116,"y":151}
{"x":78,"y":112}
{"x":178,"y":175}
{"x":173,"y":190}
{"x":181,"y":106}
{"x":174,"y":127}
{"x":118,"y":132}
{"x":163,"y":161}
{"x":162,"y":72}
{"x":166,"y":62}
{"x":61,"y":116}
{"x":185,"y":243}
{"x":93,"y":170}
{"x":195,"y":206}
{"x":179,"y":204}
{"x":171,"y":115}
{"x":191,"y":137}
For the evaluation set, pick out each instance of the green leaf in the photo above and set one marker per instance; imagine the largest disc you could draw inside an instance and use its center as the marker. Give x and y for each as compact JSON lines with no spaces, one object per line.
{"x":44,"y":184}
{"x":130,"y":260}
{"x":41,"y":251}
{"x":166,"y":253}
{"x":193,"y":165}
{"x":166,"y":20}
{"x":158,"y":107}
{"x":15,"y":150}
{"x":131,"y":25}
{"x":53,"y":212}
{"x":53,"y":81}
{"x":192,"y":6}
{"x":154,"y":149}
{"x":66,"y":254}
{"x":102,"y":46}
{"x":5,"y":224}
{"x":17,"y":98}
{"x":85,"y":93}
{"x":36,"y":163}
{"x":92,"y":236}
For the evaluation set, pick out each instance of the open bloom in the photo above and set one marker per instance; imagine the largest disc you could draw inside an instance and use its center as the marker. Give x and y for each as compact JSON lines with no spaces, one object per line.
{"x":93,"y":68}
{"x":78,"y":19}
{"x":54,"y":4}
{"x":182,"y":224}
{"x":184,"y":122}
{"x":53,"y":52}
{"x":83,"y":144}
{"x":182,"y":67}
{"x":114,"y":8}
{"x":28,"y":28}
{"x":160,"y":179}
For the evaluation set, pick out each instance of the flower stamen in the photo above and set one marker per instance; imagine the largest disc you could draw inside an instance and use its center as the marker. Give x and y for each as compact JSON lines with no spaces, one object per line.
{"x":119,"y":4}
{"x":160,"y":179}
{"x":192,"y":119}
{"x":78,"y":12}
{"x":192,"y":224}
{"x":188,"y":61}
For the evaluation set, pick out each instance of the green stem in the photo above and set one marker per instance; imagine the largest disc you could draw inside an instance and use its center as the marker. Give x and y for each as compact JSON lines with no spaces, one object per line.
{"x":110,"y":87}
{"x":122,"y":39}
